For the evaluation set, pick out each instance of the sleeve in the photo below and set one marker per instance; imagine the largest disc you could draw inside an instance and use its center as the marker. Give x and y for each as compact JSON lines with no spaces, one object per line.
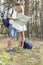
{"x":10,"y":11}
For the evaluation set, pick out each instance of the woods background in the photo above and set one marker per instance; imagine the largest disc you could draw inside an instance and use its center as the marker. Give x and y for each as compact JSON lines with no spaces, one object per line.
{"x":33,"y":8}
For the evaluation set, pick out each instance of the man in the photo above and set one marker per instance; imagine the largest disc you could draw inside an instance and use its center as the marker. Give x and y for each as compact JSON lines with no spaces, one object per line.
{"x":12,"y":31}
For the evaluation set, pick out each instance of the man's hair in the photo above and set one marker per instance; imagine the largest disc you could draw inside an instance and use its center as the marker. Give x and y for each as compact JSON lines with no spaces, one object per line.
{"x":17,"y":4}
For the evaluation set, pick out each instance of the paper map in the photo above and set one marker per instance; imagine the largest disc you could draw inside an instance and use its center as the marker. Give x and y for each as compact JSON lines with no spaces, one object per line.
{"x":21,"y":22}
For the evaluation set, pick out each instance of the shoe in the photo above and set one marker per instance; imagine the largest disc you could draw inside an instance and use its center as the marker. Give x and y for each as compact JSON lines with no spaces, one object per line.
{"x":10,"y":50}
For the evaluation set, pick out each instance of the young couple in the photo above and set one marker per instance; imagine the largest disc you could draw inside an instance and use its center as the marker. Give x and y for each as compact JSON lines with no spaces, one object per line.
{"x":12,"y":15}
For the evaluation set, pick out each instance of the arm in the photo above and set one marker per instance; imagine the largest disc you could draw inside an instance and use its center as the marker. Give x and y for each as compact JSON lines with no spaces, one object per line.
{"x":9,"y":16}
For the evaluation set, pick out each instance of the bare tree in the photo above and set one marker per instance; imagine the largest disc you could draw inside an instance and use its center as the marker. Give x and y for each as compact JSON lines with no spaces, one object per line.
{"x":9,"y":2}
{"x":42,"y":17}
{"x":27,"y":13}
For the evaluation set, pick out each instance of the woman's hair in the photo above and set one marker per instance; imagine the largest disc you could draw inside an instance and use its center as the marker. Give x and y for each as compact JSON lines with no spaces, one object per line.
{"x":21,"y":10}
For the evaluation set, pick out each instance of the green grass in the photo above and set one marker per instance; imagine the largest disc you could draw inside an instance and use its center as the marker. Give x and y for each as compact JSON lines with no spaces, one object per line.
{"x":21,"y":57}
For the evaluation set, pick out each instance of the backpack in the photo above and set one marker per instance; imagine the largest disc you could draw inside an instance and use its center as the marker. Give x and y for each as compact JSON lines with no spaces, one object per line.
{"x":6,"y":20}
{"x":27,"y":45}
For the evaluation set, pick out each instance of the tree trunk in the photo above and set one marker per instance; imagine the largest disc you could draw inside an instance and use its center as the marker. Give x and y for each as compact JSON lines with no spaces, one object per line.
{"x":14,"y":1}
{"x":27,"y":13}
{"x":42,"y":17}
{"x":27,"y":7}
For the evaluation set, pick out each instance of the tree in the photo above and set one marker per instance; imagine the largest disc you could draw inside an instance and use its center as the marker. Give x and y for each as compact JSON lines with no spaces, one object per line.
{"x":27,"y":7}
{"x":42,"y":17}
{"x":9,"y":2}
{"x":27,"y":13}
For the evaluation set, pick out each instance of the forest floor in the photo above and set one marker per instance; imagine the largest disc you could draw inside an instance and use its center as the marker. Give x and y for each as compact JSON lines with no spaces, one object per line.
{"x":21,"y":56}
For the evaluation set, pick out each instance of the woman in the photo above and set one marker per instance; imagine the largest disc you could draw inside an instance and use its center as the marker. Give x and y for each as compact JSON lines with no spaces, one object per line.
{"x":21,"y":35}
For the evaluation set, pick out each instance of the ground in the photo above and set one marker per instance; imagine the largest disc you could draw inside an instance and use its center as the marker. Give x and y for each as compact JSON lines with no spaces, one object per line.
{"x":21,"y":56}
